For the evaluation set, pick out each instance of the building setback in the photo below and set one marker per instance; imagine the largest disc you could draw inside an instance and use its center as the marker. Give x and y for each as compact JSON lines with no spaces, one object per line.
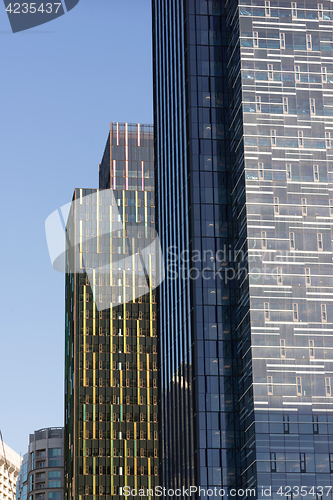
{"x":42,"y":471}
{"x":244,"y":147}
{"x":111,"y":430}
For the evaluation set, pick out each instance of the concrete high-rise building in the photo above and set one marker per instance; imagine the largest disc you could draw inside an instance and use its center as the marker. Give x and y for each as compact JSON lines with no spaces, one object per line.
{"x":42,"y":470}
{"x":10,"y":463}
{"x":111,"y":431}
{"x":244,"y":147}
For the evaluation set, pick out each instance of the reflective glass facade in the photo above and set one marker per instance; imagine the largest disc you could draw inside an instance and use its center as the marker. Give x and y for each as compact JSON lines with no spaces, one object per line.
{"x":192,"y":165}
{"x":111,"y":353}
{"x":243,"y":117}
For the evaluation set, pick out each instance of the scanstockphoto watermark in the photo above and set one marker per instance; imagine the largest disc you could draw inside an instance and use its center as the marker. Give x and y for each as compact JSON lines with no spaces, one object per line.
{"x":226,"y":265}
{"x":203,"y":492}
{"x":90,"y":236}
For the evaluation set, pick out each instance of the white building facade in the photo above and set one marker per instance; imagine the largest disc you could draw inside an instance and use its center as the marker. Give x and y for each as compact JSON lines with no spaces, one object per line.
{"x":10,"y":463}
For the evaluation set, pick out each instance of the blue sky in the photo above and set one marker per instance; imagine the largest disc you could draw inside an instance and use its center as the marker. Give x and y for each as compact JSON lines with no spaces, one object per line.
{"x":61,"y":85}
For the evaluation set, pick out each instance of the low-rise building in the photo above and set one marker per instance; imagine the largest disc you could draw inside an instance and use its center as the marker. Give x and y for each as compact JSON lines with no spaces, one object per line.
{"x":42,"y":472}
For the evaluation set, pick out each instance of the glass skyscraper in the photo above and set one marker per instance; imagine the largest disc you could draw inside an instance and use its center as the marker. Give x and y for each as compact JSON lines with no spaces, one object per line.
{"x":244,"y":147}
{"x":111,"y":429}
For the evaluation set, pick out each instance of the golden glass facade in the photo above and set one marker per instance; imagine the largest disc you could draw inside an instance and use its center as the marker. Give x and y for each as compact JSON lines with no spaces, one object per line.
{"x":111,"y":428}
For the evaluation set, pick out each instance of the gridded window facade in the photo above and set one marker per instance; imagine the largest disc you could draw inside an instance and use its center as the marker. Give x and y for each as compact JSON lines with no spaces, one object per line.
{"x":270,"y":64}
{"x":111,"y":353}
{"x":291,"y":274}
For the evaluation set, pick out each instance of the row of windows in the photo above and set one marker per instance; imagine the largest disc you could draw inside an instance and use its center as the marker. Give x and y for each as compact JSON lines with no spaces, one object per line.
{"x":100,"y":399}
{"x":273,"y":75}
{"x":116,"y":315}
{"x":122,"y":471}
{"x":285,"y":106}
{"x":292,"y":242}
{"x":279,"y":276}
{"x":315,"y":168}
{"x":111,"y":281}
{"x":282,"y":39}
{"x":302,"y":463}
{"x":116,"y":490}
{"x":295,"y":313}
{"x":130,"y":315}
{"x":141,"y":283}
{"x":304,"y":205}
{"x":299,"y":386}
{"x":116,"y":417}
{"x":320,"y":10}
{"x":128,"y":436}
{"x":52,"y":495}
{"x":283,"y":351}
{"x":137,"y":349}
{"x":132,"y":202}
{"x":102,"y":348}
{"x":128,"y":382}
{"x":117,"y":365}
{"x":130,"y":453}
{"x":301,"y":138}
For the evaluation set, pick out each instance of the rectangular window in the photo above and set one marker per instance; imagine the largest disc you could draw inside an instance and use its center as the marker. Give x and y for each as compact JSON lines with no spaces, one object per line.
{"x":286,"y":424}
{"x":273,"y":137}
{"x":328,"y":140}
{"x":315,"y":173}
{"x":258,"y":103}
{"x":311,"y":349}
{"x":255,"y":39}
{"x":312,"y":107}
{"x":302,"y":462}
{"x":320,"y":11}
{"x":292,"y":241}
{"x":270,"y":385}
{"x":279,"y":276}
{"x":288,"y":172}
{"x":295,"y":312}
{"x":300,"y":139}
{"x":54,"y":495}
{"x":55,"y":474}
{"x":285,"y":105}
{"x":276,"y":205}
{"x":308,"y":42}
{"x":328,"y":386}
{"x":297,"y":73}
{"x":304,"y":207}
{"x":282,"y":41}
{"x":307,"y":276}
{"x":261,"y":170}
{"x":266,"y":310}
{"x":323,"y":74}
{"x":331,"y":462}
{"x":270,"y":71}
{"x":315,"y":421}
{"x":263,"y":239}
{"x":299,"y":386}
{"x":273,"y":462}
{"x":267,"y":8}
{"x":323,"y":313}
{"x":331,"y":207}
{"x":294,"y":10}
{"x":320,"y":242}
{"x":282,"y":348}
